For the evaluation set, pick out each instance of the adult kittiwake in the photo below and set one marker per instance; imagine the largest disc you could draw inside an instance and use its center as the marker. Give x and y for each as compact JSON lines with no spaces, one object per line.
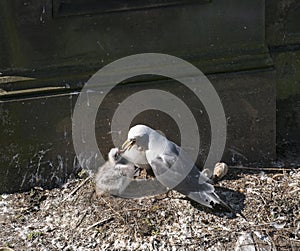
{"x":172,"y":166}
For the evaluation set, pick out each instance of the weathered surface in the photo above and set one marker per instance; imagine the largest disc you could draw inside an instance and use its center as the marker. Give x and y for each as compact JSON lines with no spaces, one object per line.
{"x":36,"y":136}
{"x":282,"y":22}
{"x":38,"y":39}
{"x":35,"y":142}
{"x":61,"y":44}
{"x":287,"y":63}
{"x":283,"y":38}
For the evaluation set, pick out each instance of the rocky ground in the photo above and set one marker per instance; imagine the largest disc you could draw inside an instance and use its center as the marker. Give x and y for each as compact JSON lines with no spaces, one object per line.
{"x":74,"y":218}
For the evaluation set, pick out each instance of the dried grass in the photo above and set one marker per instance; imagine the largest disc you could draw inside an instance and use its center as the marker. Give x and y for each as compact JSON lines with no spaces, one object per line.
{"x":74,"y":218}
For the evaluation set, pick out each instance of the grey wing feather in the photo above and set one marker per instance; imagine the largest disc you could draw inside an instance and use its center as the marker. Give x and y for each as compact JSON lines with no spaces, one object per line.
{"x":165,"y":175}
{"x":185,"y":162}
{"x":194,"y":185}
{"x":169,"y":168}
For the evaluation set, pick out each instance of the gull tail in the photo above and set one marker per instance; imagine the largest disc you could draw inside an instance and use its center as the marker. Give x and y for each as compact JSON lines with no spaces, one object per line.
{"x":212,"y":200}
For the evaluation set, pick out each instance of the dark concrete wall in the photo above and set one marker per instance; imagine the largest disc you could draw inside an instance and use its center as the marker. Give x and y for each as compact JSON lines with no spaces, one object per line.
{"x":62,"y":48}
{"x":36,"y":142}
{"x":283,"y":38}
{"x":217,"y":36}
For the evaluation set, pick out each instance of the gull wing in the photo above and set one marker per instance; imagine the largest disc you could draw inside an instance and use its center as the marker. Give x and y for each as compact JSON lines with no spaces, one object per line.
{"x":173,"y":166}
{"x":194,"y":185}
{"x":166,"y":171}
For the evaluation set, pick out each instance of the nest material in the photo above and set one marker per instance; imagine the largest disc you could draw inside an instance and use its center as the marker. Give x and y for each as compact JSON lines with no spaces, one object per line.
{"x":74,"y":218}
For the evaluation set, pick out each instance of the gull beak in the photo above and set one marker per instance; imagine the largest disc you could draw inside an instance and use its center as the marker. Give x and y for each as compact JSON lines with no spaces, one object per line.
{"x":127,"y":145}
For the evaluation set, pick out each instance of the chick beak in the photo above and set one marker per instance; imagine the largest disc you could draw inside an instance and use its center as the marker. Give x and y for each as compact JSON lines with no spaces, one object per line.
{"x":127,"y":145}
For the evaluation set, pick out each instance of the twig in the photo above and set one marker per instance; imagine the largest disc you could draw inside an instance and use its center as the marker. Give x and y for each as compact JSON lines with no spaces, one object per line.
{"x":76,"y":189}
{"x":277,"y":175}
{"x":257,"y":225}
{"x":111,"y":208}
{"x":273,"y":245}
{"x":264,"y":168}
{"x":81,"y":220}
{"x":295,"y":190}
{"x":100,"y":222}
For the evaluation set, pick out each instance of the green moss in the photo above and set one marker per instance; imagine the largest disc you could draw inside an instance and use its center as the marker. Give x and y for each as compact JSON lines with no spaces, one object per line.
{"x":10,"y":33}
{"x":33,"y":235}
{"x":287,"y":66}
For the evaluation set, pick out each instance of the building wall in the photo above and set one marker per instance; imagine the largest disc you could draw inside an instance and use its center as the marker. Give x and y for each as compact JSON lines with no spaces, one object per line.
{"x":247,"y":49}
{"x":283,"y":38}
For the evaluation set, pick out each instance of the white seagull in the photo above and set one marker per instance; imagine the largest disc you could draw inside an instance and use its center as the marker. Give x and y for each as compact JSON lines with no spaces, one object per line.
{"x":172,"y":167}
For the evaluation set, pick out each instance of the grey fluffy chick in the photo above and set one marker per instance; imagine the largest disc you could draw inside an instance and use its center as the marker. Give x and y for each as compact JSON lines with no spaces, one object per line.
{"x":115,"y":175}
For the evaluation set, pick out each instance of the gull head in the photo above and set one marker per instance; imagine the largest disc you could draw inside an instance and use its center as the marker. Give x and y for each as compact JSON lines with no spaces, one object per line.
{"x":114,"y":155}
{"x":138,"y":135}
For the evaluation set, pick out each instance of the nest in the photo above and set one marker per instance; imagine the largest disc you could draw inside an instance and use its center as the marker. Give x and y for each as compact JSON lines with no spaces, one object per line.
{"x":75,"y":218}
